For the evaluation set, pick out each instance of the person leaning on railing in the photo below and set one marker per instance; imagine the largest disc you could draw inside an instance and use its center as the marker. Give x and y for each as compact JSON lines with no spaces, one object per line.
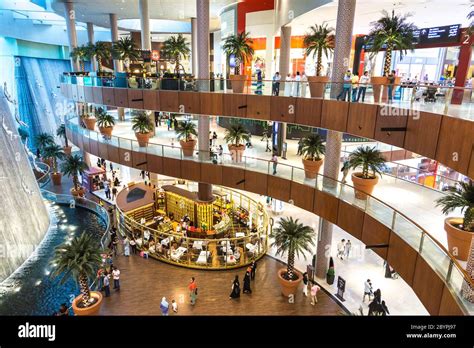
{"x":363,"y":82}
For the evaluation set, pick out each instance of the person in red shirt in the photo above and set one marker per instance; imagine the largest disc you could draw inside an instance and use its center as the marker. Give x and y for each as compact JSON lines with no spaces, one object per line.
{"x":193,"y":290}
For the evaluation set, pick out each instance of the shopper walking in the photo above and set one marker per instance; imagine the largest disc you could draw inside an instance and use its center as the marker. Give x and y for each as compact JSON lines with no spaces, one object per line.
{"x":384,"y":308}
{"x":114,"y":193}
{"x":235,"y":288}
{"x":346,"y":87}
{"x":164,"y":306}
{"x":340,"y":248}
{"x":174,"y":306}
{"x":314,"y":293}
{"x":247,"y":289}
{"x":345,"y":170}
{"x":253,"y":270}
{"x":363,"y":82}
{"x":133,"y":246}
{"x":193,"y":290}
{"x":126,"y":247}
{"x":276,"y":84}
{"x":116,"y":276}
{"x":106,"y":284}
{"x":275,"y":163}
{"x":368,"y":291}
{"x":347,"y":249}
{"x":305,"y":284}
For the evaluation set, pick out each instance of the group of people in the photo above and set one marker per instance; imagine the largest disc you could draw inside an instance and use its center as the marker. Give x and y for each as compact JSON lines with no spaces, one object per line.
{"x":104,"y":275}
{"x":110,"y":186}
{"x":294,"y":85}
{"x":165,"y":305}
{"x":250,"y":274}
{"x":377,"y":306}
{"x":312,"y":286}
{"x":344,"y":249}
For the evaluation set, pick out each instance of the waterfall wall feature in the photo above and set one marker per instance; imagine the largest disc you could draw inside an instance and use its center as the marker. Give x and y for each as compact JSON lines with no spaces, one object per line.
{"x":24,"y":219}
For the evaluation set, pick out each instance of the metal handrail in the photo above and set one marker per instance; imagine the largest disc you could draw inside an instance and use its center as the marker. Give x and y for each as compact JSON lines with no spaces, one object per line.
{"x":320,"y":178}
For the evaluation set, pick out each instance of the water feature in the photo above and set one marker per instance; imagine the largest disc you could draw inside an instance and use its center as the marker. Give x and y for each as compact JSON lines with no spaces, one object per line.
{"x":31,"y":290}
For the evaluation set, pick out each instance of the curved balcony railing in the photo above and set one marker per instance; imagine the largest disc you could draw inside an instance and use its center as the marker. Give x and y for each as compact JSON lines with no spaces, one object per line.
{"x":418,"y":96}
{"x":430,"y":249}
{"x":237,"y":250}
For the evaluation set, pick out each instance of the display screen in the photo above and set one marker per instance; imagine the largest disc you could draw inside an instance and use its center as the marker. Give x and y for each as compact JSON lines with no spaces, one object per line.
{"x":438,"y":35}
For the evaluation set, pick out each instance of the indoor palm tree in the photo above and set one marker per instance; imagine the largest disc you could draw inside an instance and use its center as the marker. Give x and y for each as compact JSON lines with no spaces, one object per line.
{"x":142,"y":127}
{"x":105,"y":121}
{"x":81,"y":54}
{"x":61,"y":132}
{"x":72,"y":167}
{"x":234,"y":135}
{"x":185,"y":132}
{"x":372,"y":163}
{"x":101,"y":51}
{"x":176,"y":47}
{"x":124,"y":50}
{"x":239,"y":46}
{"x":54,"y":153}
{"x":319,"y":41}
{"x":312,"y":149}
{"x":42,"y":140}
{"x":392,"y":32}
{"x":294,"y":239}
{"x":79,"y":259}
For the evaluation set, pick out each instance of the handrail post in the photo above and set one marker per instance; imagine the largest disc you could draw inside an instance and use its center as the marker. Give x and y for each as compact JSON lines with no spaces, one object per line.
{"x":393,"y":220}
{"x":450,"y":271}
{"x":420,"y":249}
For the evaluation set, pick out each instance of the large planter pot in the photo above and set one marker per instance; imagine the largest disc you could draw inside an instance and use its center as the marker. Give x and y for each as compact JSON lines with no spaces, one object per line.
{"x":67,"y":150}
{"x":289,"y":287}
{"x":188,"y":147}
{"x":143,"y":139}
{"x":106,"y":131}
{"x":459,"y":241}
{"x":236,"y":152}
{"x":79,"y":192}
{"x":311,"y":168}
{"x":56,"y":178}
{"x":317,"y":85}
{"x":238,"y":83}
{"x":363,"y":186}
{"x":90,"y":123}
{"x":377,"y":83}
{"x":91,"y":310}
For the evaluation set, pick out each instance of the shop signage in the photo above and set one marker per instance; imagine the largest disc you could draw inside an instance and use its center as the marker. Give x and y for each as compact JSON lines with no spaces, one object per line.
{"x":341,"y":287}
{"x":438,"y":35}
{"x":155,"y":55}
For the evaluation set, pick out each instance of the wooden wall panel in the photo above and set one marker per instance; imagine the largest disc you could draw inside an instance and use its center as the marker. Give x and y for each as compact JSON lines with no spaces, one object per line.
{"x":135,"y":98}
{"x":88,"y":94}
{"x":103,"y":150}
{"x":212,"y":103}
{"x":326,"y":206}
{"x":256,"y":182}
{"x":93,"y":147}
{"x":211,"y":173}
{"x":387,"y":118}
{"x":422,"y":133}
{"x":80,"y":94}
{"x":155,"y":164}
{"x":108,"y":96}
{"x":428,"y":286}
{"x":470,"y":171}
{"x":448,"y":305}
{"x":169,"y":101}
{"x":189,"y":102}
{"x":258,"y":106}
{"x":402,"y":257}
{"x":121,"y":97}
{"x":191,"y":170}
{"x":308,"y":111}
{"x":235,"y":105}
{"x":361,"y":119}
{"x":126,"y":157}
{"x":283,"y":109}
{"x":139,"y":160}
{"x":113,"y":153}
{"x":172,"y":167}
{"x":374,"y":233}
{"x":334,"y":115}
{"x":455,"y":143}
{"x":97,"y":95}
{"x":74,"y":95}
{"x":302,"y":196}
{"x":350,"y":219}
{"x":279,"y":188}
{"x":151,"y":99}
{"x":233,"y":177}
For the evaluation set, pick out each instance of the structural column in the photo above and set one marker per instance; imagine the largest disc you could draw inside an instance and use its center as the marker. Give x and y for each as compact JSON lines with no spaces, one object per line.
{"x":202,"y":43}
{"x":70,"y":16}
{"x":284,"y":69}
{"x":194,"y":49}
{"x":90,"y":40}
{"x":145,"y":24}
{"x":342,"y":50}
{"x":118,"y":64}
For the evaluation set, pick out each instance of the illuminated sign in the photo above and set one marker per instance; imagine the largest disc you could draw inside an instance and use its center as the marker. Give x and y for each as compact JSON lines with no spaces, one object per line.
{"x":155,"y":55}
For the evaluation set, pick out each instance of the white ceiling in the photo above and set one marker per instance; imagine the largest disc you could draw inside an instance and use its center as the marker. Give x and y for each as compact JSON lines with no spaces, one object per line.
{"x":425,"y":13}
{"x":97,"y":11}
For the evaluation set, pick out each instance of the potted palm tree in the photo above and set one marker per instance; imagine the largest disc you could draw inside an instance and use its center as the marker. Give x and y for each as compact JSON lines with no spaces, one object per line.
{"x":392,"y":32}
{"x":124,"y":50}
{"x":235,"y":135}
{"x":61,"y":132}
{"x":43,"y":140}
{"x":238,"y":46}
{"x":372,"y":163}
{"x":460,"y":231}
{"x":312,"y":150}
{"x":142,"y":127}
{"x":54,"y":152}
{"x":185,"y":133}
{"x":293,"y":238}
{"x":176,"y":47}
{"x":105,"y":122}
{"x":88,"y":118}
{"x":81,"y":54}
{"x":80,"y":259}
{"x":72,"y":167}
{"x":101,"y":51}
{"x":319,"y":41}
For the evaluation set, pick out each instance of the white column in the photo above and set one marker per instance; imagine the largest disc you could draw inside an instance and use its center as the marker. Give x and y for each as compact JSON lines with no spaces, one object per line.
{"x":194,"y":49}
{"x":145,"y":24}
{"x":70,"y":16}
{"x":90,"y":39}
{"x":118,"y":64}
